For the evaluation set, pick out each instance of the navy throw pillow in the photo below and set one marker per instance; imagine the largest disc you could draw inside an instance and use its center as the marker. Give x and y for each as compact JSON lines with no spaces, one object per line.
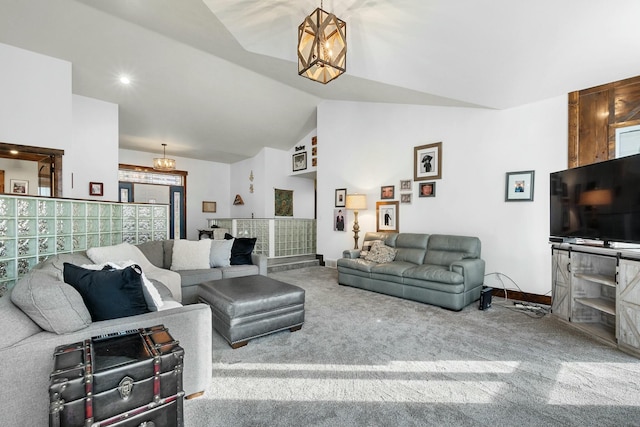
{"x":108,"y":294}
{"x":241,"y":249}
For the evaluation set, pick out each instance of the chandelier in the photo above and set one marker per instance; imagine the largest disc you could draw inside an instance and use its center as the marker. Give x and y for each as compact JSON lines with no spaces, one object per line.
{"x":162,"y":163}
{"x":322,"y":46}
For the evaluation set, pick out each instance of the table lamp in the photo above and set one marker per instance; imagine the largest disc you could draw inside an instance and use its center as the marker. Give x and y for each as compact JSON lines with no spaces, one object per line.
{"x":356,"y":202}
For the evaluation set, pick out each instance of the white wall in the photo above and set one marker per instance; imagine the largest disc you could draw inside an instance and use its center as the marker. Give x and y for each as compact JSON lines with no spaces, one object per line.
{"x":371,"y":145}
{"x":35,"y":100}
{"x":206,"y":181}
{"x":38,"y":109}
{"x":23,"y":170}
{"x":271,"y":169}
{"x":93,"y":153}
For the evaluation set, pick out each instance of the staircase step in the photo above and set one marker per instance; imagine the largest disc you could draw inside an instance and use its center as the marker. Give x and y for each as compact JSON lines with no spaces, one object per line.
{"x":290,"y":263}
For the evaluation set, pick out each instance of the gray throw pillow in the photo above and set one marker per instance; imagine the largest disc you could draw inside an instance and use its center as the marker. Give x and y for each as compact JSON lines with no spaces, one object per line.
{"x":15,"y":325}
{"x":54,"y":305}
{"x":221,"y":253}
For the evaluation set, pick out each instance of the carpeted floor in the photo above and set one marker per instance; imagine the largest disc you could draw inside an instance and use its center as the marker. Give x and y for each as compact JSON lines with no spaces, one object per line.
{"x":365,"y":359}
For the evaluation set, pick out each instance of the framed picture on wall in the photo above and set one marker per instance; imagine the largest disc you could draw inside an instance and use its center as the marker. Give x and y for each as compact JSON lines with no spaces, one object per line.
{"x":19,"y":186}
{"x":519,"y":186}
{"x":427,"y":162}
{"x":341,"y":197}
{"x":427,"y":189}
{"x":388,"y":192}
{"x":95,"y":188}
{"x":209,"y":206}
{"x":405,"y":185}
{"x":387,"y":216}
{"x":300,"y":161}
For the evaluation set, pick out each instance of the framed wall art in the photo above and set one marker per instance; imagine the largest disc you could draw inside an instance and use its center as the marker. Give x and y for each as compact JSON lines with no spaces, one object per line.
{"x":427,"y":162}
{"x":427,"y":189}
{"x":19,"y":186}
{"x":387,"y":216}
{"x":209,"y":206}
{"x":283,"y":202}
{"x":300,"y":161}
{"x":519,"y":186}
{"x":96,"y":188}
{"x":341,"y":197}
{"x":405,"y":198}
{"x":339,"y":219}
{"x":405,"y":185}
{"x":388,"y":192}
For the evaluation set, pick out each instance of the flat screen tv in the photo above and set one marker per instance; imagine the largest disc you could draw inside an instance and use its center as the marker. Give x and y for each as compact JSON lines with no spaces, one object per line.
{"x":600,"y":202}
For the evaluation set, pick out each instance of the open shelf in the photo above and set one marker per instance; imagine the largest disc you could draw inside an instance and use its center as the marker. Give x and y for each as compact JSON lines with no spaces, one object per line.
{"x":601,"y":304}
{"x":598,"y":330}
{"x":597,"y":278}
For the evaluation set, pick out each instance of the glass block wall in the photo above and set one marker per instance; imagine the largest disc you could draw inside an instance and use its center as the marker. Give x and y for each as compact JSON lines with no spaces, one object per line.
{"x":275,"y":237}
{"x":33,"y":228}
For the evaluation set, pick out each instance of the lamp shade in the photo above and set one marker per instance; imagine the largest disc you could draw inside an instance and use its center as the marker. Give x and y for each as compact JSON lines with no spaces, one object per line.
{"x":356,"y":202}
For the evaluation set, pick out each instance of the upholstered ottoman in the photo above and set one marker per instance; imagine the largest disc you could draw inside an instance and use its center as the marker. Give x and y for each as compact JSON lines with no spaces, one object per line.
{"x":249,"y":307}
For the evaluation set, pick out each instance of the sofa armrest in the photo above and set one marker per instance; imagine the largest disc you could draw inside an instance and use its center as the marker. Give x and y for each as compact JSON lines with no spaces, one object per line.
{"x":471,"y":269}
{"x":351,"y":253}
{"x":261,"y":261}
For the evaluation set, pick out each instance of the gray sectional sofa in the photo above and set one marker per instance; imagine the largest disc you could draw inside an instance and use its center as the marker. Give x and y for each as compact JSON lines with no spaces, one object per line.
{"x":57,"y":316}
{"x":442,"y":270}
{"x":159,"y":253}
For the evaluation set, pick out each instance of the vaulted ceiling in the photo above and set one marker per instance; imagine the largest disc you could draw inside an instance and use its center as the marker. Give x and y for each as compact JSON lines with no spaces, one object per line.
{"x":217,"y":79}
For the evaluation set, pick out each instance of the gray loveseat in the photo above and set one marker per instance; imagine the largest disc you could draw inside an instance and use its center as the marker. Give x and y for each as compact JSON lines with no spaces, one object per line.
{"x":27,"y":348}
{"x":160,"y":252}
{"x":442,"y":270}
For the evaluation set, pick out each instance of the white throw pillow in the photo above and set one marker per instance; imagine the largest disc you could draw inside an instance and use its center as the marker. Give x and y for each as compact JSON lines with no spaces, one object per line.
{"x":221,"y":253}
{"x":151,"y":294}
{"x":120,"y":253}
{"x":191,"y":254}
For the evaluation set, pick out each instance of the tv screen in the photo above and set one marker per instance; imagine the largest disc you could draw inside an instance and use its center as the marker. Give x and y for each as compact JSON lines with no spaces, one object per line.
{"x":600,"y":201}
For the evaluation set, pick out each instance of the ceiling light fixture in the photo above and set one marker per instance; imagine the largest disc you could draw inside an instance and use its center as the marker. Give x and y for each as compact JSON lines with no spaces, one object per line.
{"x":322,"y":46}
{"x":125,"y":80}
{"x":162,"y":163}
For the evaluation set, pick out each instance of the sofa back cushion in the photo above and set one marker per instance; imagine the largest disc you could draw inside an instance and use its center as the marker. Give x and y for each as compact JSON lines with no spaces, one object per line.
{"x":154,"y":251}
{"x":411,"y":247}
{"x":15,"y":325}
{"x":445,"y":249}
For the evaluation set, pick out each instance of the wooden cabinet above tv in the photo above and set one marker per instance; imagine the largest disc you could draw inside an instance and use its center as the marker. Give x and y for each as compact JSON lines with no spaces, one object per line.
{"x":594,"y":116}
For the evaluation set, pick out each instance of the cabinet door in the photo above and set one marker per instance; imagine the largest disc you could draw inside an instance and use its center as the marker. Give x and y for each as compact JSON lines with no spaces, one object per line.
{"x":628,"y":304}
{"x":561,"y":284}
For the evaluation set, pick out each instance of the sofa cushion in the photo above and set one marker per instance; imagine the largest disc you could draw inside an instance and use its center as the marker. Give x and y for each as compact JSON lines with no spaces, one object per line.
{"x":241,"y":249}
{"x":434,"y":273}
{"x":200,"y":275}
{"x":118,"y":254}
{"x":411,"y":247}
{"x":444,"y":249}
{"x":239,"y":271}
{"x":54,"y":305}
{"x":381,"y":253}
{"x":358,"y":264}
{"x":190,"y":254}
{"x":108,"y":294}
{"x":14,"y":323}
{"x":154,"y":252}
{"x":220,"y":255}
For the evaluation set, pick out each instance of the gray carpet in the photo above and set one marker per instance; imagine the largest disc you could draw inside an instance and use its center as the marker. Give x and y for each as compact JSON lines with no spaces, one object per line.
{"x":365,"y":359}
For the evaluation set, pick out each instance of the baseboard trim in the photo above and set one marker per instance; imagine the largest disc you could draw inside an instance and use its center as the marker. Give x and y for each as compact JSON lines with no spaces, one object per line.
{"x":523,"y":296}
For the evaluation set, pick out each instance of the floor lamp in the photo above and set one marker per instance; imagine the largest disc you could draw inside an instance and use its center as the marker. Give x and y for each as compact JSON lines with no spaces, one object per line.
{"x":355,"y":203}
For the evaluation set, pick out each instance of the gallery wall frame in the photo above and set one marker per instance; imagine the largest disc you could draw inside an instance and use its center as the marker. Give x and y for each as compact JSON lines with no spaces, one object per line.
{"x":388,"y":192}
{"x":341,"y":197}
{"x":427,"y":189}
{"x":427,"y":162}
{"x":405,"y":185}
{"x":387,"y":216}
{"x":519,"y":186}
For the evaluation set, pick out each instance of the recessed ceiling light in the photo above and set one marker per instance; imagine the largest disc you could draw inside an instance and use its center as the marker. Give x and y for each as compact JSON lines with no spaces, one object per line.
{"x":125,"y":80}
{"x":14,"y":152}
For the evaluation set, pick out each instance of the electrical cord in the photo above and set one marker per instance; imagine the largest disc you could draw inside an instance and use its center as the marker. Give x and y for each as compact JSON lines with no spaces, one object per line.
{"x":525,"y":307}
